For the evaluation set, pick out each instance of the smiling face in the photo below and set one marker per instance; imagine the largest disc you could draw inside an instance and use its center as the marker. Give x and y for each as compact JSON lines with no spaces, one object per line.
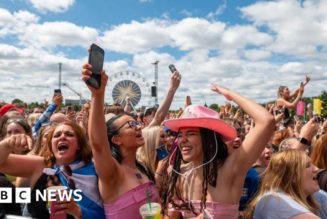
{"x":309,"y":180}
{"x":64,"y":144}
{"x":190,"y":145}
{"x":286,"y":93}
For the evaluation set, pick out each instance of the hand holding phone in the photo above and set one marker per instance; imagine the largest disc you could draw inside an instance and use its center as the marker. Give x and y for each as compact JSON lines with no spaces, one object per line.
{"x":96,"y":58}
{"x":57,"y":92}
{"x":172,"y":68}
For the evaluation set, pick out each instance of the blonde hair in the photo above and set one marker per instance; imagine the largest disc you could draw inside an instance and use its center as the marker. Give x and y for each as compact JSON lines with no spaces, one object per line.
{"x":284,"y":174}
{"x":319,"y":152}
{"x":147,"y":153}
{"x":32,"y":118}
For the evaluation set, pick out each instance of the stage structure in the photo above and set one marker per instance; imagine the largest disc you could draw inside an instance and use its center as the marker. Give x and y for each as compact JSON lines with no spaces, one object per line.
{"x":132,"y":84}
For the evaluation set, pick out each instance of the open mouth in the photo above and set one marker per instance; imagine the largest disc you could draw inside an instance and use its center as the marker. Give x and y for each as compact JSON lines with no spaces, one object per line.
{"x":186,"y":149}
{"x":62,"y":147}
{"x":315,"y":178}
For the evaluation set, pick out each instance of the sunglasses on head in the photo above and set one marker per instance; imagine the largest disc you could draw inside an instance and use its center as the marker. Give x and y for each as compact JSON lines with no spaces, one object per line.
{"x":17,"y":120}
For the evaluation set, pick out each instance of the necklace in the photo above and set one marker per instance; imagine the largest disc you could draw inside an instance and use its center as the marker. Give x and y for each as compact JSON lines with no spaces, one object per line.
{"x":137,"y":174}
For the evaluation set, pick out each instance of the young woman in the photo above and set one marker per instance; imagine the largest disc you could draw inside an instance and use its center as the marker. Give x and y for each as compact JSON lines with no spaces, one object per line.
{"x":18,"y":126}
{"x":287,"y":188}
{"x":154,"y":141}
{"x":285,"y":98}
{"x":212,"y":182}
{"x":124,"y":184}
{"x":68,"y":157}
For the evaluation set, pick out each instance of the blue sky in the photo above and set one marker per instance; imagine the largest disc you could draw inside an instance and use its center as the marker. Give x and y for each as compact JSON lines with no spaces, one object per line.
{"x":251,"y":47}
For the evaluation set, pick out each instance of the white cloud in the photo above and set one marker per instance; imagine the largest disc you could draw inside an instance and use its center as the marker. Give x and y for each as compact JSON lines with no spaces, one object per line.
{"x":186,"y":13}
{"x":52,"y":5}
{"x":220,"y":10}
{"x":241,"y":57}
{"x":14,"y":23}
{"x":256,"y":54}
{"x":240,"y":36}
{"x":196,"y":33}
{"x":52,"y":34}
{"x":298,"y":28}
{"x":136,"y":37}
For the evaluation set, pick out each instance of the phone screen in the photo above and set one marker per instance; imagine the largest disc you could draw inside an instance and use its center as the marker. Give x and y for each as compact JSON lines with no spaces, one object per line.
{"x":57,"y":92}
{"x":172,"y":68}
{"x":96,"y":58}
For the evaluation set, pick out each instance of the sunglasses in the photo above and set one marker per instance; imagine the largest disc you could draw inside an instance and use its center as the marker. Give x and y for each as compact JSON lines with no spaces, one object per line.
{"x":19,"y":121}
{"x":132,"y":124}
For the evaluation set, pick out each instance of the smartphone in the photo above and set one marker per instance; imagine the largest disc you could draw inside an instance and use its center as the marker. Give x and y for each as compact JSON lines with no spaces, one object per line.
{"x":96,"y":58}
{"x":172,"y":68}
{"x":57,"y":92}
{"x":317,"y":119}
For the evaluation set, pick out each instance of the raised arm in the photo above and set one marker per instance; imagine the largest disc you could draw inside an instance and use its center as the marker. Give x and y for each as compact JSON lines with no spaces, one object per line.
{"x":292,"y":105}
{"x":57,"y":100}
{"x":18,"y":165}
{"x":256,"y":140}
{"x":105,"y":164}
{"x":163,"y":109}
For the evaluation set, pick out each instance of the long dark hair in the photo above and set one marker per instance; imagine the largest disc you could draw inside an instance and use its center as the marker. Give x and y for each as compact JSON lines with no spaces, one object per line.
{"x":169,"y":189}
{"x":115,"y":151}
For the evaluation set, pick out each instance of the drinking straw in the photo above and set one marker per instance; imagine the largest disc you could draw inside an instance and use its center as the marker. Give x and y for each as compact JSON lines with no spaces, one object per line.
{"x":148,"y":199}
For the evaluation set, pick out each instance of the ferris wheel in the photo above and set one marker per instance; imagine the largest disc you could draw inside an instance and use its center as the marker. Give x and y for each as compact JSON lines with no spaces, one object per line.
{"x":131,"y":84}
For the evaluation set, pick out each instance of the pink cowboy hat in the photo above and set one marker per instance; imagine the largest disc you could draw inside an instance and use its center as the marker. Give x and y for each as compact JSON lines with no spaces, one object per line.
{"x":202,"y":117}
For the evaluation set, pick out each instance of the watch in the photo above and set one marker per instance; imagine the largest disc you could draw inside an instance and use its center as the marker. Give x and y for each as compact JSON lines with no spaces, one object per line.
{"x":304,"y":141}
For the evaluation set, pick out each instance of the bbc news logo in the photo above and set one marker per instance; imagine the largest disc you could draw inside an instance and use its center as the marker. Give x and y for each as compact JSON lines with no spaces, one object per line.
{"x":23,"y":195}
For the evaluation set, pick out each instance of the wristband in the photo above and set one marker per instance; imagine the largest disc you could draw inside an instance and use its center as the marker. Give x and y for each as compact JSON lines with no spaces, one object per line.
{"x":304,"y":141}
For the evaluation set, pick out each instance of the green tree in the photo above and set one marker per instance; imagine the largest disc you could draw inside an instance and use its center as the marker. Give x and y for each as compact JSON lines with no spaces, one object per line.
{"x":214,"y":106}
{"x":17,"y":101}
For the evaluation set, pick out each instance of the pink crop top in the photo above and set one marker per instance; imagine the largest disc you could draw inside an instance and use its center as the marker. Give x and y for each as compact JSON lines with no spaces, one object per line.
{"x":215,"y":209}
{"x":128,"y":204}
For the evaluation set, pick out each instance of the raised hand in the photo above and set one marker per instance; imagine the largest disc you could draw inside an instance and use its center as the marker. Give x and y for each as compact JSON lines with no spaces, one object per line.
{"x":19,"y":142}
{"x":86,"y":74}
{"x":57,"y":99}
{"x":306,"y":80}
{"x":175,"y":80}
{"x":224,"y":91}
{"x":68,"y":207}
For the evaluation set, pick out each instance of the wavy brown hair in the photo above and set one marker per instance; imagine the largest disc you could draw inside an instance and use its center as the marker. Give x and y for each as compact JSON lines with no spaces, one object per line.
{"x":84,"y":153}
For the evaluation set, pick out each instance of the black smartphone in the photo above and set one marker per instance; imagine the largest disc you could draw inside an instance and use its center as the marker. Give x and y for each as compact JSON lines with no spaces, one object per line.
{"x":57,"y":92}
{"x":172,"y":68}
{"x":317,"y":119}
{"x":96,"y":58}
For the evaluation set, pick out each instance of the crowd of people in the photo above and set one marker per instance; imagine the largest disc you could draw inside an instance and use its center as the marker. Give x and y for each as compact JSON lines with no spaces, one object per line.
{"x":245,"y":161}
